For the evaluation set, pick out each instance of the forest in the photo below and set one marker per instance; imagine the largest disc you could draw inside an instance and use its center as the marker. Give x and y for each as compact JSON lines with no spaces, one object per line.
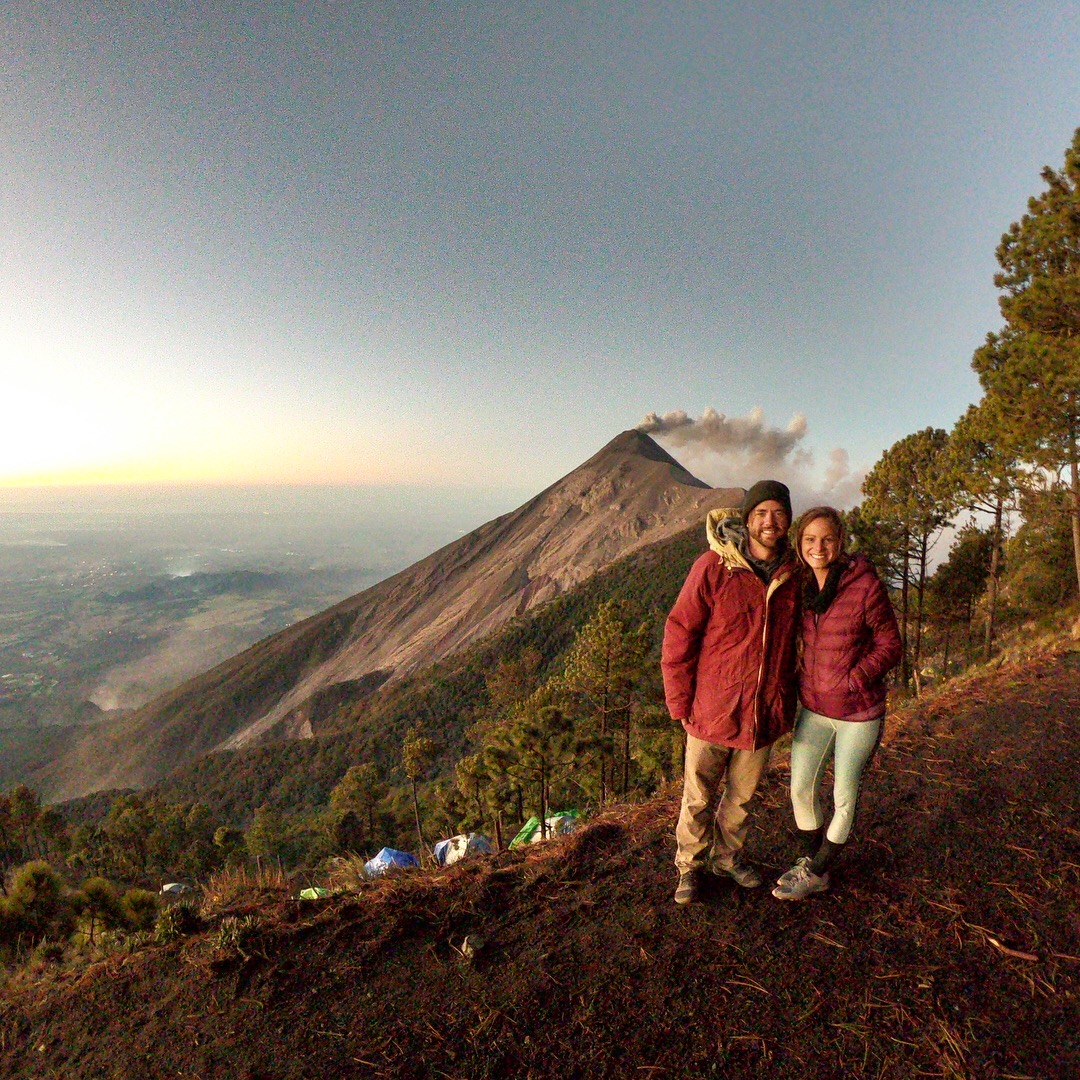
{"x":563,"y":708}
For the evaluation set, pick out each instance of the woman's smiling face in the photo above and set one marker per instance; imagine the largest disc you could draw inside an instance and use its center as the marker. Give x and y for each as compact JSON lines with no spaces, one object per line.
{"x":820,"y":544}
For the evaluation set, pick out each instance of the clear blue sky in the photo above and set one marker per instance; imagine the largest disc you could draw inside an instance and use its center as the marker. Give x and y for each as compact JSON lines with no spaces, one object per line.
{"x":471,"y":242}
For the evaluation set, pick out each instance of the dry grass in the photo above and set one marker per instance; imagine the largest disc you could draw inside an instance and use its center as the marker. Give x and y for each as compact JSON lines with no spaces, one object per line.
{"x":241,"y":884}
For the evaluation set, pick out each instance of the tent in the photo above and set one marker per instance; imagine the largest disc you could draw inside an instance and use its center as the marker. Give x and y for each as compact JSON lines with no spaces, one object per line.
{"x":557,"y":825}
{"x":314,"y":892}
{"x":389,"y":859}
{"x":175,"y":888}
{"x":447,"y":852}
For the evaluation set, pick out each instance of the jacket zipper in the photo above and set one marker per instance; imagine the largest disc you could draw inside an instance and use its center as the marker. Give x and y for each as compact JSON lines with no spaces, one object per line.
{"x":773,"y":585}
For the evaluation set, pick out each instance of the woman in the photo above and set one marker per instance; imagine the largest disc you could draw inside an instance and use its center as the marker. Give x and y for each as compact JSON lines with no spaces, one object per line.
{"x":850,"y":641}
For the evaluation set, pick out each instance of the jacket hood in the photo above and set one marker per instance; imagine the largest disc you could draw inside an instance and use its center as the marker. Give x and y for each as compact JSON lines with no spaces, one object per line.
{"x":857,"y":566}
{"x":725,"y":532}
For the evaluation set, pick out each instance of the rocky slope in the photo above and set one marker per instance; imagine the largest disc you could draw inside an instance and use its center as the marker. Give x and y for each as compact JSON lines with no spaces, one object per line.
{"x":628,"y":495}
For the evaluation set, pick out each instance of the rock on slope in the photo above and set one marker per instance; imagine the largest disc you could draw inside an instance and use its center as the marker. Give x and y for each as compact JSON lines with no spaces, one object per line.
{"x":628,"y":495}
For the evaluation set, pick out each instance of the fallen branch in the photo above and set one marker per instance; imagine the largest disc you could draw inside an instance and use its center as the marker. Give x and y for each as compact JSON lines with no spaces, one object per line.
{"x":1011,"y":952}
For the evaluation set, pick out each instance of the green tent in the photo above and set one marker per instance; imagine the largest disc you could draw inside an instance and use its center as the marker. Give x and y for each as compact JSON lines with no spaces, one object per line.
{"x":557,"y":825}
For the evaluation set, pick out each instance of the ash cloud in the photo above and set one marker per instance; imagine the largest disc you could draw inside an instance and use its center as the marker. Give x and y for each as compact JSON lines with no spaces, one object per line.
{"x":744,"y":436}
{"x":728,"y":451}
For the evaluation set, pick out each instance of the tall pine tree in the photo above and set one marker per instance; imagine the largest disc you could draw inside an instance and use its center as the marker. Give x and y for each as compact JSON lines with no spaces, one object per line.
{"x":1034,"y":362}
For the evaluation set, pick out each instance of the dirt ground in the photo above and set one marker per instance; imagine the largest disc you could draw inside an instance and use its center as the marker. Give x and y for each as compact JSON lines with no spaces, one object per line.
{"x":947,"y":947}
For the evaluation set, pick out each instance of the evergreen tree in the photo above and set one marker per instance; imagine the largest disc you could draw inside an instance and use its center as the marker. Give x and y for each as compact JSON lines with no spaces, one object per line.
{"x":471,"y":779}
{"x":100,"y":905}
{"x":266,"y":838}
{"x":488,"y":791}
{"x":958,"y":582}
{"x":908,"y":497}
{"x":38,"y":905}
{"x":1034,"y":362}
{"x":29,"y":830}
{"x":359,"y":790}
{"x":984,"y":464}
{"x":604,"y":668}
{"x":535,"y":748}
{"x":417,"y":754}
{"x":1039,"y":573}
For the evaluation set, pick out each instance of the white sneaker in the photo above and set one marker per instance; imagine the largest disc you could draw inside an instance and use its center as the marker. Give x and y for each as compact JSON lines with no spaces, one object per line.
{"x":789,"y":875}
{"x":802,"y":882}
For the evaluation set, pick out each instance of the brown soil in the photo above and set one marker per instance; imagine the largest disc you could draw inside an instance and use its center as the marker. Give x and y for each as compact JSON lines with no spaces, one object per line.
{"x":947,"y":947}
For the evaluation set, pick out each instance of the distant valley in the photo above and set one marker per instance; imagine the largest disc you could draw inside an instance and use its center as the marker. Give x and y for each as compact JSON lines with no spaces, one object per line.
{"x":631,"y":494}
{"x":110,"y":598}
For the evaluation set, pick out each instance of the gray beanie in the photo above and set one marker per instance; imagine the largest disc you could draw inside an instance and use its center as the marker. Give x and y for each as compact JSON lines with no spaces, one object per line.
{"x":761,"y":492}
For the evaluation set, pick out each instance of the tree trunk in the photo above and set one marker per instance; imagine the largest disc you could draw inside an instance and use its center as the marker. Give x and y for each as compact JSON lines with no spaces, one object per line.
{"x":603,"y":731}
{"x":923,"y":545}
{"x":992,"y":580}
{"x":416,"y":813}
{"x":603,"y":758}
{"x":905,"y":662}
{"x":1074,"y":470}
{"x":626,"y":754}
{"x":543,"y":799}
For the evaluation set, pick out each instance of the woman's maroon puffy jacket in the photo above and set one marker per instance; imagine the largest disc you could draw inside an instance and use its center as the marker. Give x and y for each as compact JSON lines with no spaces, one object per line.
{"x":847,"y":650}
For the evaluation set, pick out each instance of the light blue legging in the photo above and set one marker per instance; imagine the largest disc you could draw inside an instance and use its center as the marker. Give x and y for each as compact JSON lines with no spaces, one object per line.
{"x":852,"y":744}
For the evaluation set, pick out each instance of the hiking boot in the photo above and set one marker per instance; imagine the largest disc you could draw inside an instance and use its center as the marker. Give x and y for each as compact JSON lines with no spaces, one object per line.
{"x":689,"y":888}
{"x":802,"y":882}
{"x":789,"y":875}
{"x":744,"y":874}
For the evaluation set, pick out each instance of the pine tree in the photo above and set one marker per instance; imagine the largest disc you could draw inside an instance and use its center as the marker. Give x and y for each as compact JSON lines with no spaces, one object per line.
{"x":909,"y":495}
{"x":539,"y":744}
{"x":266,"y":839}
{"x":984,"y":464}
{"x":417,"y":753}
{"x":100,"y":905}
{"x":1033,"y":364}
{"x":958,"y":582}
{"x":604,"y":667}
{"x":359,"y":790}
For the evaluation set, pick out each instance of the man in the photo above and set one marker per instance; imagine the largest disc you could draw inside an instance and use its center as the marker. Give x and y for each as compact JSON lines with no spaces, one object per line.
{"x":729,"y":676}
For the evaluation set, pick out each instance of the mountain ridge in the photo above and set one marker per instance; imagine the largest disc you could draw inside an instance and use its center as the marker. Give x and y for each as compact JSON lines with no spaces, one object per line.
{"x":630,"y":494}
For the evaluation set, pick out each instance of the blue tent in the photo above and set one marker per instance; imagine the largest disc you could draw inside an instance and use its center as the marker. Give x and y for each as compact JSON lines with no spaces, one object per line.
{"x":388,"y":859}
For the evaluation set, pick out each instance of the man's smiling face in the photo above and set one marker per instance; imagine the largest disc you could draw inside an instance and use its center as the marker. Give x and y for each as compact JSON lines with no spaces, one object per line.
{"x":767,"y":526}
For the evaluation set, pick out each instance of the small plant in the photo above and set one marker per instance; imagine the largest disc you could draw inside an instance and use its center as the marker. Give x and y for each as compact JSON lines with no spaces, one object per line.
{"x":347,"y":873}
{"x":176,"y":921}
{"x":140,"y":909}
{"x":48,"y":952}
{"x":126,"y":943}
{"x":235,"y":932}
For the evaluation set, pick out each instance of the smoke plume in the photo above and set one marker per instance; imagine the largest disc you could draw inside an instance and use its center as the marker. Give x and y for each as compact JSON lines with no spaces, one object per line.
{"x":728,"y":451}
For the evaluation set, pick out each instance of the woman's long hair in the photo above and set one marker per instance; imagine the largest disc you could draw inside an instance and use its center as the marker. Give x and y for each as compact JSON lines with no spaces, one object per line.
{"x":834,"y":518}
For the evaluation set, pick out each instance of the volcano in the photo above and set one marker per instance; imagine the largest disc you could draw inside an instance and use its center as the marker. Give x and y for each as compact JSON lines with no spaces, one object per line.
{"x":630,"y":494}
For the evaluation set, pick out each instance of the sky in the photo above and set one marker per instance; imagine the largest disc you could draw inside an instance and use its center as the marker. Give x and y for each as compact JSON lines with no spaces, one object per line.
{"x":470,"y":243}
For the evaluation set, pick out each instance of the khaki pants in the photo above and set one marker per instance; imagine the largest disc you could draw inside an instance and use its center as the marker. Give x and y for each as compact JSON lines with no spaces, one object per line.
{"x":718,"y":782}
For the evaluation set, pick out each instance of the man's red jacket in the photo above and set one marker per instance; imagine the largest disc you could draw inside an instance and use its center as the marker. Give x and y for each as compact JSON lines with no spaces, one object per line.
{"x":729,"y":655}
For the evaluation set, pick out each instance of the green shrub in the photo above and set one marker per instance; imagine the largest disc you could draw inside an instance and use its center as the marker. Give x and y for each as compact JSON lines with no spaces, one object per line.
{"x":140,"y":908}
{"x":38,"y":904}
{"x":176,"y":921}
